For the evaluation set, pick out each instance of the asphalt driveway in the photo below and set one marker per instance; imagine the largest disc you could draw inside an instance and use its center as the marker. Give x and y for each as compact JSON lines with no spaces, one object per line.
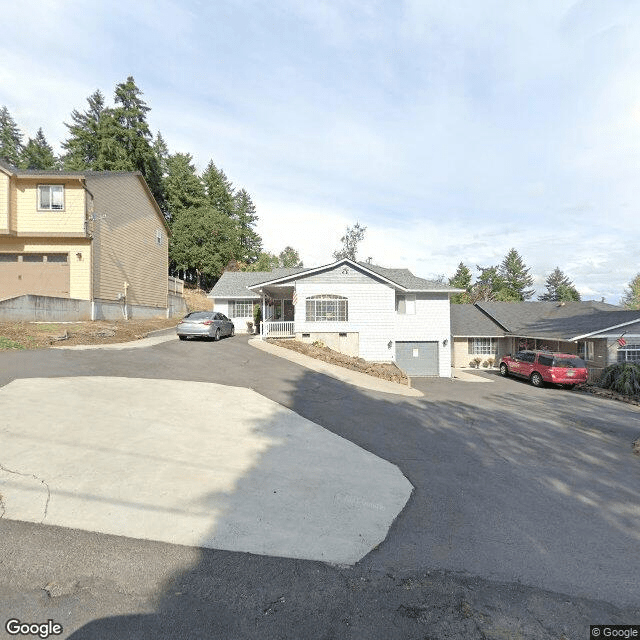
{"x":513,"y":484}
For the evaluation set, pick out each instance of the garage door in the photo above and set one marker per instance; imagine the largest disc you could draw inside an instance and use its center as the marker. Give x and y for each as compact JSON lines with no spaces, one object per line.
{"x":45,"y":274}
{"x":418,"y":358}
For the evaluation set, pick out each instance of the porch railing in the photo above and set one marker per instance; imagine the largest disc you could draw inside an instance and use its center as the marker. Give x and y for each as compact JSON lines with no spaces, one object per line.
{"x":277,"y":329}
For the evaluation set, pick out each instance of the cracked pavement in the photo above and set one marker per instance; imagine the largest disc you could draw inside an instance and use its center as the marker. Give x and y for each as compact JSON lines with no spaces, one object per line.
{"x":523,"y":523}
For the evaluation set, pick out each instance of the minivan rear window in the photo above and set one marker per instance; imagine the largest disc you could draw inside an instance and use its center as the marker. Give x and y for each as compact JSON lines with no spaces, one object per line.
{"x":569,"y":363}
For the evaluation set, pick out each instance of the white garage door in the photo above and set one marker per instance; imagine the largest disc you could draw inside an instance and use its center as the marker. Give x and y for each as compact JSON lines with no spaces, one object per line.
{"x":418,"y":358}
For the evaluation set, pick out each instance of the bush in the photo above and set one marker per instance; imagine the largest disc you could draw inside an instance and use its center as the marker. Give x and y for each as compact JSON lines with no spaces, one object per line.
{"x":623,"y":377}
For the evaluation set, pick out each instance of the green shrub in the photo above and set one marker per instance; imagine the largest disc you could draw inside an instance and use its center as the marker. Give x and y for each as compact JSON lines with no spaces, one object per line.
{"x":623,"y":377}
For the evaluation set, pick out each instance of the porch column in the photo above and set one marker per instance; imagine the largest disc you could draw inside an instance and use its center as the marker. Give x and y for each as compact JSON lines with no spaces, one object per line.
{"x":264,"y":315}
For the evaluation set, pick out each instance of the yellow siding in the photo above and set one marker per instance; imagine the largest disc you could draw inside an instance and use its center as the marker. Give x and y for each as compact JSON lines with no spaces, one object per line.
{"x":125,"y":248}
{"x":4,"y":201}
{"x":29,"y":220}
{"x":79,"y":267}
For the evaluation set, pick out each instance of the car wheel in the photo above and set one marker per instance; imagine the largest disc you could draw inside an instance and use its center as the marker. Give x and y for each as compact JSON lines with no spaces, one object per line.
{"x":217,"y":336}
{"x":536,"y":379}
{"x":233,"y":331}
{"x":504,"y":372}
{"x":568,"y":386}
{"x":182,"y":337}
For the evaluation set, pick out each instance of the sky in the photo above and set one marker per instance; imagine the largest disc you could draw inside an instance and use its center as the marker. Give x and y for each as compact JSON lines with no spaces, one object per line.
{"x":454,"y":131}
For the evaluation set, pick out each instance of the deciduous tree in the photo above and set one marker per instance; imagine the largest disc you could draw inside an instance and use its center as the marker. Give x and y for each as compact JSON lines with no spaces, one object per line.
{"x":350,"y":241}
{"x":289,"y":258}
{"x":631,"y":298}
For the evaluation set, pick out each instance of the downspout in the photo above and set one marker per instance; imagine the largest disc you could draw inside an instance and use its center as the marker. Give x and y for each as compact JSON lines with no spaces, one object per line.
{"x":264,"y":314}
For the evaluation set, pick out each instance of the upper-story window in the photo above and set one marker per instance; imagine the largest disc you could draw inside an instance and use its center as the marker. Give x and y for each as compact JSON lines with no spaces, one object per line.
{"x":327,"y":308}
{"x":50,"y":197}
{"x":406,"y":304}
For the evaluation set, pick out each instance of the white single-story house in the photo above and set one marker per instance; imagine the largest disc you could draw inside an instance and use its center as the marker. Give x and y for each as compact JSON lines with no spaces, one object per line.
{"x":359,"y":309}
{"x":600,"y":333}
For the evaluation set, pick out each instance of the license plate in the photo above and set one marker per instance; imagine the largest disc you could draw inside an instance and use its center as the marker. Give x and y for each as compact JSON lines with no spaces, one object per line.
{"x":570,"y":374}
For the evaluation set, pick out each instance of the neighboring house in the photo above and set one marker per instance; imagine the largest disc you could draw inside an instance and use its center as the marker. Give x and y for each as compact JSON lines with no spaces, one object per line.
{"x":375,"y":313}
{"x":81,"y":245}
{"x":600,"y":333}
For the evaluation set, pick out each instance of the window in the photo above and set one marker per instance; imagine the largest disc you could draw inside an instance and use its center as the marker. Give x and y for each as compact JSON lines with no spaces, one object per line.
{"x":33,"y":257}
{"x":241,"y":308}
{"x":327,"y":308}
{"x":406,"y":305}
{"x":50,"y":197}
{"x":629,"y":353}
{"x":482,"y":346}
{"x":585,"y":350}
{"x":57,"y":257}
{"x":8,"y":257}
{"x":159,"y":237}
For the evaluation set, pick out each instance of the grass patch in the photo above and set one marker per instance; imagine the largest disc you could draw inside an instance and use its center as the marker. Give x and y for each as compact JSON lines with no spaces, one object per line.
{"x":6,"y":343}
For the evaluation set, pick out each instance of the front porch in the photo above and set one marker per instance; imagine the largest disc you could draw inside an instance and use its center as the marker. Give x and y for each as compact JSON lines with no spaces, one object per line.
{"x":277,"y":329}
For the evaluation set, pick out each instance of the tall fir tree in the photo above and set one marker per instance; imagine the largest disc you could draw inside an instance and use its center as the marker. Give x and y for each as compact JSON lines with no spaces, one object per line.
{"x":219,"y":189}
{"x":631,"y":298}
{"x":38,"y":153}
{"x":515,"y":278}
{"x":559,"y":288}
{"x":11,"y":147}
{"x":246,"y":219}
{"x":183,"y":187}
{"x":461,"y":279}
{"x":85,"y":133}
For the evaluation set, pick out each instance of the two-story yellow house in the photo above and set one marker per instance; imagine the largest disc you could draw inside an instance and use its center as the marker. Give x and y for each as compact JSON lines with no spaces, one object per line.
{"x":85,"y":245}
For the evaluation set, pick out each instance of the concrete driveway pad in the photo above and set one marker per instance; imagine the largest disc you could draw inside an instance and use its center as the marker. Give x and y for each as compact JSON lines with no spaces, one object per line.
{"x":191,"y":463}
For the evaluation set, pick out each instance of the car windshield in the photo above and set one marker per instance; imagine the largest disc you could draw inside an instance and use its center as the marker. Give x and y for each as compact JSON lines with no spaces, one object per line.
{"x":198,"y":315}
{"x":569,"y":363}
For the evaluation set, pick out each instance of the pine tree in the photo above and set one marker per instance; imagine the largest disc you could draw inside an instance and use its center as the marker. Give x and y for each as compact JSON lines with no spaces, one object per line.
{"x":266,"y":262}
{"x":84,"y":141}
{"x":631,"y":298}
{"x":515,"y":278}
{"x":350,"y":241}
{"x":289,"y":258}
{"x":183,"y":187}
{"x":11,"y":147}
{"x":219,"y":189}
{"x":461,"y":279}
{"x":246,"y":218}
{"x":559,"y":288}
{"x":38,"y":154}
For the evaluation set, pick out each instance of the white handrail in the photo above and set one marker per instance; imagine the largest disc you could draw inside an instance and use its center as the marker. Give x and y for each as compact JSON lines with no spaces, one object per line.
{"x":278,"y":329}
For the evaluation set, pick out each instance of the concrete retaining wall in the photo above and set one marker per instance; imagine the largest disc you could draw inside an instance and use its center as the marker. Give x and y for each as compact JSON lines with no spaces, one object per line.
{"x":32,"y":308}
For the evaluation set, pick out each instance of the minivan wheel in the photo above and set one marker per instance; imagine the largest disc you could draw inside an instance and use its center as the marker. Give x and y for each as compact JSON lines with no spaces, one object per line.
{"x":536,"y":379}
{"x":504,"y":372}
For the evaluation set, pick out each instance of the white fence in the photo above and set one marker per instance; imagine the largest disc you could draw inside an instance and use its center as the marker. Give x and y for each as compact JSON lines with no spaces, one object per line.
{"x":277,"y":329}
{"x":176,"y":286}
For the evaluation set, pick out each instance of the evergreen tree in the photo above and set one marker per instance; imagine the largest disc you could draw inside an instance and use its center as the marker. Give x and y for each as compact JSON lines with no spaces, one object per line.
{"x":82,"y":146}
{"x":289,"y":258}
{"x":161,"y":152}
{"x":183,"y":187}
{"x":461,"y":279}
{"x":631,"y":298}
{"x":219,"y":189}
{"x":204,"y":241}
{"x":11,"y":147}
{"x":350,"y":240}
{"x":38,"y":154}
{"x":246,"y":218}
{"x":559,"y":288}
{"x":515,"y":278}
{"x":266,"y":262}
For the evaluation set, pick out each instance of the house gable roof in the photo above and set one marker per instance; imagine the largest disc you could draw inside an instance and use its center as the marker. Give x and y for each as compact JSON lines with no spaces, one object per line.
{"x":561,"y":321}
{"x":468,"y":321}
{"x":401,"y":279}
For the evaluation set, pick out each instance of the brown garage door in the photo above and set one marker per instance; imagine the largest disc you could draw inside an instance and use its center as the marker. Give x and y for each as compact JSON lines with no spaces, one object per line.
{"x":45,"y":274}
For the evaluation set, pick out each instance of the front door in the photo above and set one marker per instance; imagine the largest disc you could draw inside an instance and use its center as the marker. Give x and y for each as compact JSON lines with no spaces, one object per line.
{"x":287,"y":310}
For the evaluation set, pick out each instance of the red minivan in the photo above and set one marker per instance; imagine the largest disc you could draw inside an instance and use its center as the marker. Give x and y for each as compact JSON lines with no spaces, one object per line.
{"x":544,"y":366}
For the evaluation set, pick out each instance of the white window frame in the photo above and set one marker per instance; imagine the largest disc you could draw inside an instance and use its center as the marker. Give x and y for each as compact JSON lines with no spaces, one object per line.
{"x":629,"y":353}
{"x":243,"y":304}
{"x":482,"y":346}
{"x":586,"y":350}
{"x":406,"y":304}
{"x":327,"y":308}
{"x":50,"y":188}
{"x":159,"y":236}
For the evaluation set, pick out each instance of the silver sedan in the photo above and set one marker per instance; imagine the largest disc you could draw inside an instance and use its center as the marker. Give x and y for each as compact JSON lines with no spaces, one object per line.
{"x":205,"y":324}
